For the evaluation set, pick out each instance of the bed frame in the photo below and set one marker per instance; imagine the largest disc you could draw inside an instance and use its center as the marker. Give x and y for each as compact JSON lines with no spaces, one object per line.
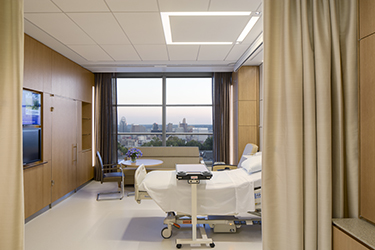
{"x":219,"y":224}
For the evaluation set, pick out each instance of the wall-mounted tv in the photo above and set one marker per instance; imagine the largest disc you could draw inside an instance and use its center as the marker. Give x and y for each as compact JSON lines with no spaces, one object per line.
{"x":32,"y":145}
{"x":31,"y":108}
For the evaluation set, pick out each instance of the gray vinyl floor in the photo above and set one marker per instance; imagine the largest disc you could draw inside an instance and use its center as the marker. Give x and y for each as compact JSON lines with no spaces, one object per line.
{"x":80,"y":222}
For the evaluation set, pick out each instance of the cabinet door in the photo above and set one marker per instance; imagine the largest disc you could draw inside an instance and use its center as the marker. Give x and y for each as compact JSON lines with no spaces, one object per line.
{"x":64,"y":147}
{"x":342,"y":241}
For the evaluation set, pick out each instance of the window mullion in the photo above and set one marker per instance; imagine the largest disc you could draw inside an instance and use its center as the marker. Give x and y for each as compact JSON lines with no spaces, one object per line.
{"x":164,"y":112}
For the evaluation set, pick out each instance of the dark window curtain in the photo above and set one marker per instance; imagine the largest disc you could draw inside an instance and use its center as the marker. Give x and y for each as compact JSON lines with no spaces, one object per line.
{"x":220,"y":104}
{"x":106,"y":118}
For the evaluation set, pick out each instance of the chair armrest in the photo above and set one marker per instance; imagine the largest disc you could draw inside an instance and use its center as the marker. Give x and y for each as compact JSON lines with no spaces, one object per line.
{"x":222,"y":167}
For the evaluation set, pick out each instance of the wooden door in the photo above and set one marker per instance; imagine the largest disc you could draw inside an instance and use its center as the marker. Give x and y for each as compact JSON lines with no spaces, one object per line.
{"x":64,"y":146}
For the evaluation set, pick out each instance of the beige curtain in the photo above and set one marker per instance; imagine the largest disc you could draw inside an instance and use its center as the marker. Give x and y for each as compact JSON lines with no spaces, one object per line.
{"x":11,"y":75}
{"x":310,"y":154}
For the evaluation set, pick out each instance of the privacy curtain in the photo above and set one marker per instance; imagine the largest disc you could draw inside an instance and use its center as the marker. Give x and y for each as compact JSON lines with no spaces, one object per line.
{"x":310,"y":154}
{"x":11,"y":75}
{"x":106,"y":118}
{"x":221,"y":106}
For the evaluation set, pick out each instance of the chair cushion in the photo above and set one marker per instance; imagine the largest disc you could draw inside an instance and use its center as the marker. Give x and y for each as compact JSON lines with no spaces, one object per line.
{"x":112,"y":175}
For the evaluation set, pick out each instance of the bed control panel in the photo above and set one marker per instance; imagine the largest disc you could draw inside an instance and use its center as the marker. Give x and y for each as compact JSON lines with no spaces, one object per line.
{"x":193,"y":173}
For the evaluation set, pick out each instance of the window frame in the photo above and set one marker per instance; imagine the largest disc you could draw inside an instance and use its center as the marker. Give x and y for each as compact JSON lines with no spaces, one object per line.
{"x":164,"y":104}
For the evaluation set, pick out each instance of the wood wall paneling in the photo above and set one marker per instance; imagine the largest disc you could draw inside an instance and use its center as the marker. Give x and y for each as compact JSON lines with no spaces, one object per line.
{"x":248,"y":113}
{"x":37,"y":65}
{"x":367,"y":128}
{"x":245,"y":108}
{"x":52,"y":74}
{"x":342,"y":241}
{"x":248,"y":88}
{"x":47,"y":127}
{"x":366,"y":17}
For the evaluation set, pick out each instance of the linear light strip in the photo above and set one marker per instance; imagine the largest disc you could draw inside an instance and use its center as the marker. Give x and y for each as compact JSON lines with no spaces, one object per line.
{"x":168,"y":33}
{"x":248,"y":27}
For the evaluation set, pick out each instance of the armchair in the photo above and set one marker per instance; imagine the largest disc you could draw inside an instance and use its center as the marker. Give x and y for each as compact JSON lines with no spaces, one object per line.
{"x":107,"y":175}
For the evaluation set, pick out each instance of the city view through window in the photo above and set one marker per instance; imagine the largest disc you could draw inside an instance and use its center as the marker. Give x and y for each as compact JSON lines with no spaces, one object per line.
{"x":165,"y":112}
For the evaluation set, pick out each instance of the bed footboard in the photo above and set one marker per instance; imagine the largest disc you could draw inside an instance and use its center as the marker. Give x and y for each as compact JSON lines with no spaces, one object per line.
{"x":139,"y":175}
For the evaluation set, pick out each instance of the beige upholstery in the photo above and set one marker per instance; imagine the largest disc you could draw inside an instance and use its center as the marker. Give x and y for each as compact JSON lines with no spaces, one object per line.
{"x":170,"y":157}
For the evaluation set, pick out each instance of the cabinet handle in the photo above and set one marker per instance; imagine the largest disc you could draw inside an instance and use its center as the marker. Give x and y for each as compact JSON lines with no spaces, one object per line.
{"x":74,"y":153}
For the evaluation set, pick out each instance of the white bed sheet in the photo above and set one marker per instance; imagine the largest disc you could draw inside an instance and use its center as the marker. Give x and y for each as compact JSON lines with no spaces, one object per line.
{"x":227,"y":193}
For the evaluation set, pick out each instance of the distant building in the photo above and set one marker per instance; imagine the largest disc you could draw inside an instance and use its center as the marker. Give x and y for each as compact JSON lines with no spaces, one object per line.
{"x":138,"y":128}
{"x":184,"y":125}
{"x":123,"y":127}
{"x":170,"y":127}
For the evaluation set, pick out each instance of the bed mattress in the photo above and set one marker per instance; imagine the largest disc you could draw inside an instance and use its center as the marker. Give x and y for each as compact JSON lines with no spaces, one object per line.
{"x":227,"y":193}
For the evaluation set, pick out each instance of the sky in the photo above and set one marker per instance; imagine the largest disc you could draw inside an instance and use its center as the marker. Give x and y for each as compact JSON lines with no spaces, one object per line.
{"x":179,"y":91}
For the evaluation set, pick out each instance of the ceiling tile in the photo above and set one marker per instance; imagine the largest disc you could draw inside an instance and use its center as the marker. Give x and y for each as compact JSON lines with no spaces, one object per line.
{"x":234,"y":5}
{"x":152,"y":52}
{"x":40,"y":6}
{"x":59,"y":26}
{"x":91,"y":52}
{"x":183,"y":5}
{"x":183,"y":52}
{"x":207,"y":28}
{"x":236,"y":52}
{"x":122,"y":52}
{"x":102,"y":27}
{"x":142,"y":28}
{"x":254,"y":32}
{"x":213,"y":52}
{"x":133,"y":5}
{"x":81,"y":5}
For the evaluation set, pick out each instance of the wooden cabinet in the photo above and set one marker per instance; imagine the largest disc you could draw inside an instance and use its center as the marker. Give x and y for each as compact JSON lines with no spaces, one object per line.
{"x":367,"y":109}
{"x":37,"y":188}
{"x":342,"y":241}
{"x":64,"y":147}
{"x":66,"y":121}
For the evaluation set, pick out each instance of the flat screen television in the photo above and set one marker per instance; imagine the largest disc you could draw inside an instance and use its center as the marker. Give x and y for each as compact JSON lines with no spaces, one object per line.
{"x":32,"y":145}
{"x":31,"y":108}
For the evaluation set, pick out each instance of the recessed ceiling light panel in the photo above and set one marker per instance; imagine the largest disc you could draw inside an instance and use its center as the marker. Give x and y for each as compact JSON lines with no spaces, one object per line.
{"x":165,"y":17}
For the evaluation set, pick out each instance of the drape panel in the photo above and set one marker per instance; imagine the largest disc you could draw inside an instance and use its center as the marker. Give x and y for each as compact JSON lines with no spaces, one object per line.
{"x":310,"y":154}
{"x":11,"y":74}
{"x":221,"y":106}
{"x":106,"y":118}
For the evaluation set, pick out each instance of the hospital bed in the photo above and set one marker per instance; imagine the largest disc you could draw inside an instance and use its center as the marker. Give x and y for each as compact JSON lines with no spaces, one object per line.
{"x":224,"y":203}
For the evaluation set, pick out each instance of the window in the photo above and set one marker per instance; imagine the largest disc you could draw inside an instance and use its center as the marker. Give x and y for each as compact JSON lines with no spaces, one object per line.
{"x":165,"y":111}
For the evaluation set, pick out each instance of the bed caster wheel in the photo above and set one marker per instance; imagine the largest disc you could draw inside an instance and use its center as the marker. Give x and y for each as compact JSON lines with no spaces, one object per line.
{"x":178,"y":246}
{"x":212,"y":245}
{"x":165,"y":233}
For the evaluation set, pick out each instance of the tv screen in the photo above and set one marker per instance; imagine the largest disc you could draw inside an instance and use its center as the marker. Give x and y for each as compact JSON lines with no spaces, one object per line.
{"x":32,"y":145}
{"x":31,"y":108}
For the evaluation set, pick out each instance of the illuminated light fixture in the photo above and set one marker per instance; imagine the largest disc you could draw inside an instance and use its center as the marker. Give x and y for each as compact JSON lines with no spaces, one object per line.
{"x":167,"y":26}
{"x":248,"y":27}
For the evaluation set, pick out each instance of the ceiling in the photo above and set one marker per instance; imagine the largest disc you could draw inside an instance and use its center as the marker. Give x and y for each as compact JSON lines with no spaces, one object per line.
{"x":128,"y":35}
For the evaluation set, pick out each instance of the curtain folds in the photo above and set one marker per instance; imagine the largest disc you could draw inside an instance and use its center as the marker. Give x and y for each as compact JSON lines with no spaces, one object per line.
{"x":221,"y":119}
{"x":11,"y":75}
{"x":106,"y":118}
{"x":310,"y":153}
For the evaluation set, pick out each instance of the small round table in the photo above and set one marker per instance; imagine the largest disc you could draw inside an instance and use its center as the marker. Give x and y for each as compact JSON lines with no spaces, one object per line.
{"x":147,"y":162}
